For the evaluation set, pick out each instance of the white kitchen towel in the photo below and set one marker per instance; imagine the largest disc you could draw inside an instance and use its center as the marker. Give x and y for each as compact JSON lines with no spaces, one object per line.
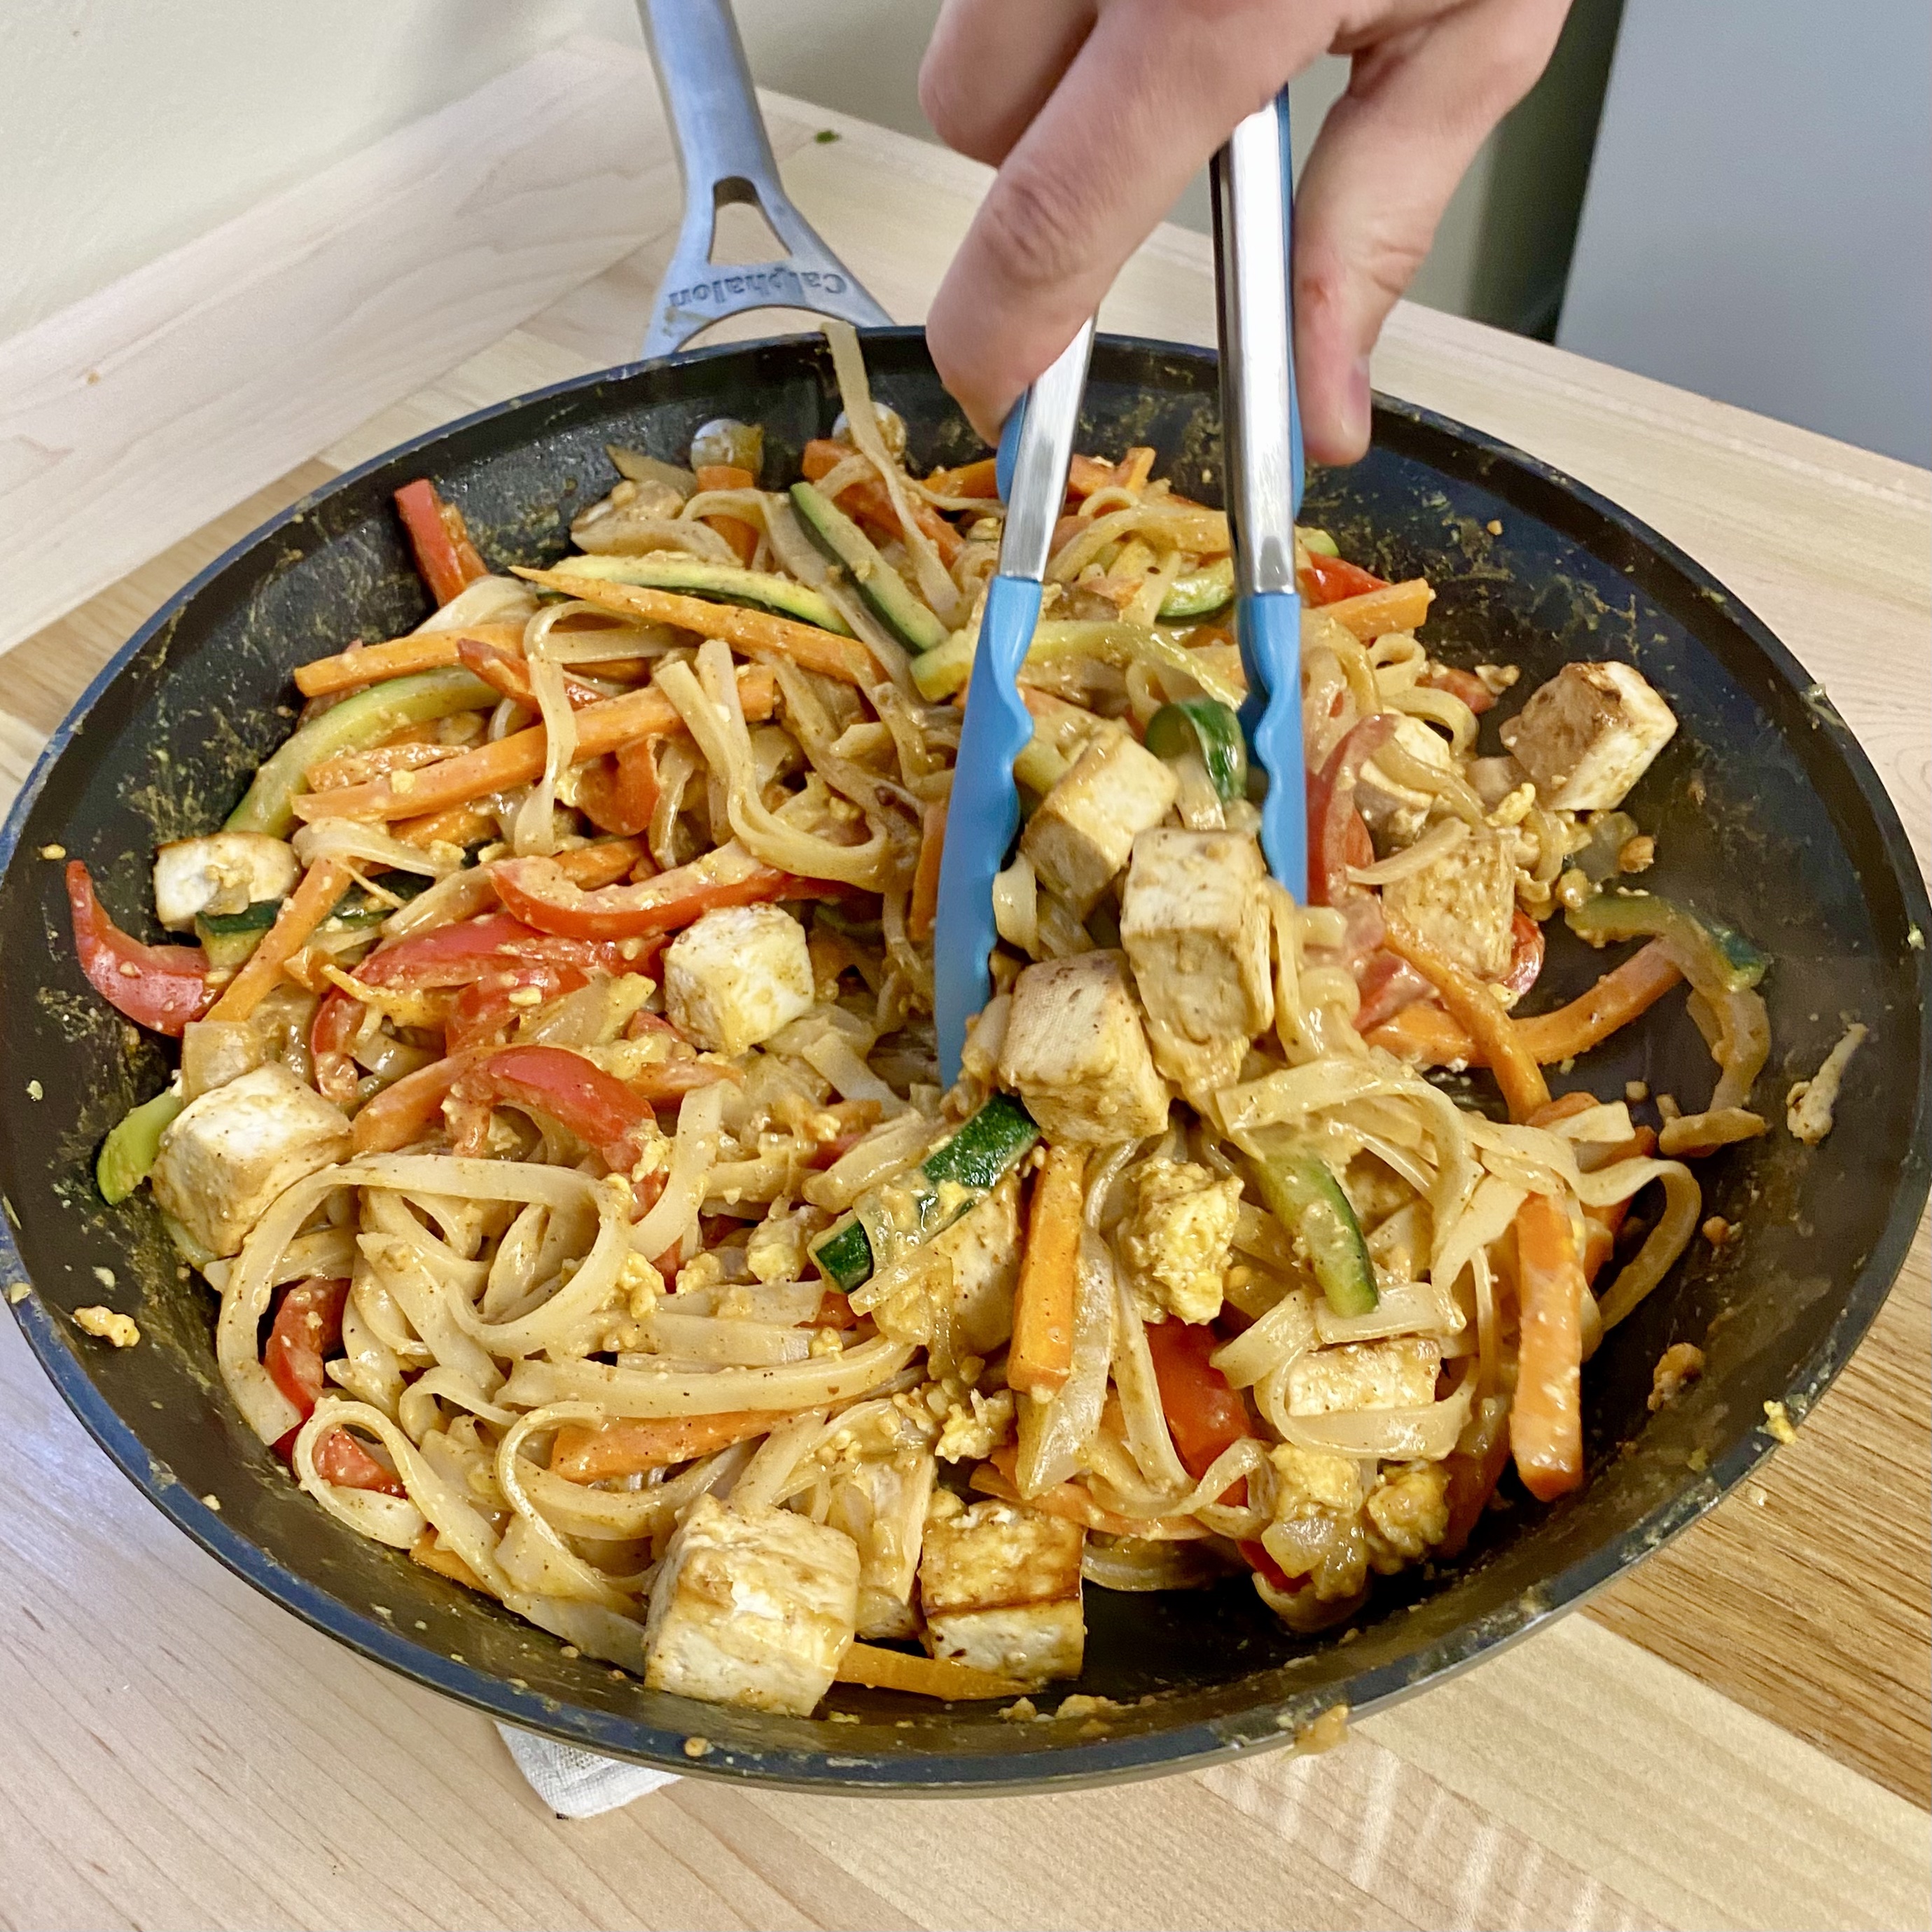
{"x":578,"y":1783}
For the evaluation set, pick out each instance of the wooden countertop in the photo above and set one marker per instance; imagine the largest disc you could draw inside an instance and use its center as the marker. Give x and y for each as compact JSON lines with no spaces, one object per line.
{"x":1739,"y":1734}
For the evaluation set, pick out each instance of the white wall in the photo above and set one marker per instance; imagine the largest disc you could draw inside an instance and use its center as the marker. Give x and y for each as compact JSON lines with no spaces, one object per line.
{"x":1759,"y":221}
{"x":130,"y":126}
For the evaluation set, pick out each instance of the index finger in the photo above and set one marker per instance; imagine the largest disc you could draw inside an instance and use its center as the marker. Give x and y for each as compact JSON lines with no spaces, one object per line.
{"x":1151,"y":95}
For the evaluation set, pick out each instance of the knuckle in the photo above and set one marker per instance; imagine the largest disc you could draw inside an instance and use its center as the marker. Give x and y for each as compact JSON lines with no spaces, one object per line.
{"x":1031,"y":228}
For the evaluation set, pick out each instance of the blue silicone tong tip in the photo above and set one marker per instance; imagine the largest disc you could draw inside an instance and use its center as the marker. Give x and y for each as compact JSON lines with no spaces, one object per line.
{"x":983,"y":812}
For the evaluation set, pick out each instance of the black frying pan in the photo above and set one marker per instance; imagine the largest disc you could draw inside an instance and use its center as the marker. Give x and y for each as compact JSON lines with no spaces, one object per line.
{"x":1794,"y":842}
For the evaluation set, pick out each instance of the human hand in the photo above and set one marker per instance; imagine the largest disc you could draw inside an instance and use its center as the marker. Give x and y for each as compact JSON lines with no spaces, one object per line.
{"x":1098,"y":112}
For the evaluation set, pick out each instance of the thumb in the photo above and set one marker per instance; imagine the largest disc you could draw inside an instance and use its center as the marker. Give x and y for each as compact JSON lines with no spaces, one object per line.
{"x":1387,"y":159}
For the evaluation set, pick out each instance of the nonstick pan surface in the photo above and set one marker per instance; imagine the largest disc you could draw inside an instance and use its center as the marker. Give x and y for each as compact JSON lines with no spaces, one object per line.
{"x":1768,"y":815}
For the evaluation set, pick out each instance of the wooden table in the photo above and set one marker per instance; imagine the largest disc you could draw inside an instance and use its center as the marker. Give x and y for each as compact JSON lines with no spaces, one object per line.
{"x":1738,"y":1734}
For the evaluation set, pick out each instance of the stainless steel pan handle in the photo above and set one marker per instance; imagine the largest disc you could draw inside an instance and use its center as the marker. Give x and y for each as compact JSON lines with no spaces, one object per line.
{"x":726,"y":158}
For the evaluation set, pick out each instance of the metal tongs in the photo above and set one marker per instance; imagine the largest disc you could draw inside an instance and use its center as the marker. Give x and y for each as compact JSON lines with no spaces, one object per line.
{"x":1262,"y":441}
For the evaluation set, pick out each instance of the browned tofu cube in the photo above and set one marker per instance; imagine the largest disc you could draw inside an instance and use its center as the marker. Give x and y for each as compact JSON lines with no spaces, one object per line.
{"x":1000,"y":1584}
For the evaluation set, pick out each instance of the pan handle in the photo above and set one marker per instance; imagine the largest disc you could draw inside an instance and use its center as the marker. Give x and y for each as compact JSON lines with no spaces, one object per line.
{"x":721,"y":145}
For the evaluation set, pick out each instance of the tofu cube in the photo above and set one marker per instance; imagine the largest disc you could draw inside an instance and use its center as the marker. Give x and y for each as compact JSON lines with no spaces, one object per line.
{"x":226,"y":1156}
{"x":1075,"y":1052}
{"x":1462,"y":904}
{"x":1195,"y":923}
{"x":739,"y":975}
{"x":1000,"y":1586}
{"x":755,"y":1609}
{"x":1398,"y":1373}
{"x":1086,"y":825}
{"x":1396,"y":813}
{"x":983,"y":1250}
{"x":1178,"y":1237}
{"x":224,"y":872}
{"x":1589,"y":735}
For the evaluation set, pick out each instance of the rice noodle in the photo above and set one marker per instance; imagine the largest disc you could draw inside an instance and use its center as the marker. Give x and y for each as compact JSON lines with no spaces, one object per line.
{"x":848,"y":365}
{"x":717,"y":725}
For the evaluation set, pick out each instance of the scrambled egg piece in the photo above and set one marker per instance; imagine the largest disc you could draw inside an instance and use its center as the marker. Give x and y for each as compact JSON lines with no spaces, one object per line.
{"x":1178,"y":1238}
{"x":1407,"y":1513}
{"x":108,"y":1325}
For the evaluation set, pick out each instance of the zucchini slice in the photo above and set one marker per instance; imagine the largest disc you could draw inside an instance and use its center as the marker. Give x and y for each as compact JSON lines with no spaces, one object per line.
{"x":882,"y":587}
{"x":1304,"y":1196}
{"x":952,"y":1180}
{"x":1203,"y":725}
{"x":129,"y":1152}
{"x":1201,"y":592}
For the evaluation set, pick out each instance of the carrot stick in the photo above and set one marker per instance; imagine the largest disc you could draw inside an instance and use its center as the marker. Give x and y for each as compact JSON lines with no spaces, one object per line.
{"x":459,"y":826}
{"x":971,"y":479}
{"x":878,"y":1668}
{"x":631,"y":1445}
{"x":1042,"y":1356}
{"x":742,"y":536}
{"x":1483,"y":1018}
{"x":1427,"y":1034}
{"x":428,"y":1550}
{"x":1396,"y":607}
{"x":302,"y":911}
{"x":400,"y":657}
{"x":1547,"y":1417}
{"x":923,"y":911}
{"x":808,"y":647}
{"x":444,"y":555}
{"x":602,"y":863}
{"x":519,"y":758}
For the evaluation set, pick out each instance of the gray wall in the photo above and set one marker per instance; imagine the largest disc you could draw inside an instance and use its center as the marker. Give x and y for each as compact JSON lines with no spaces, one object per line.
{"x":1758,"y":225}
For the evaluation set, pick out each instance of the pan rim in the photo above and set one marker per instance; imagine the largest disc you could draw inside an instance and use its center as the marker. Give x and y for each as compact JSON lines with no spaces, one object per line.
{"x":1077,"y":1762}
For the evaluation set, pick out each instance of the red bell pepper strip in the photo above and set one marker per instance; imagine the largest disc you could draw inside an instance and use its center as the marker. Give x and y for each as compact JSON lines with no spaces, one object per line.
{"x":336,"y":1022}
{"x":340,"y":1459}
{"x":485,"y":1007}
{"x":1336,"y":832}
{"x":1328,"y":579}
{"x":1526,"y":960}
{"x":535,"y":889}
{"x":1205,"y":1416}
{"x":306,"y":1330}
{"x":455,"y":955}
{"x":444,"y":556}
{"x":161,"y":987}
{"x":576,"y":1094}
{"x":397,"y":1114}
